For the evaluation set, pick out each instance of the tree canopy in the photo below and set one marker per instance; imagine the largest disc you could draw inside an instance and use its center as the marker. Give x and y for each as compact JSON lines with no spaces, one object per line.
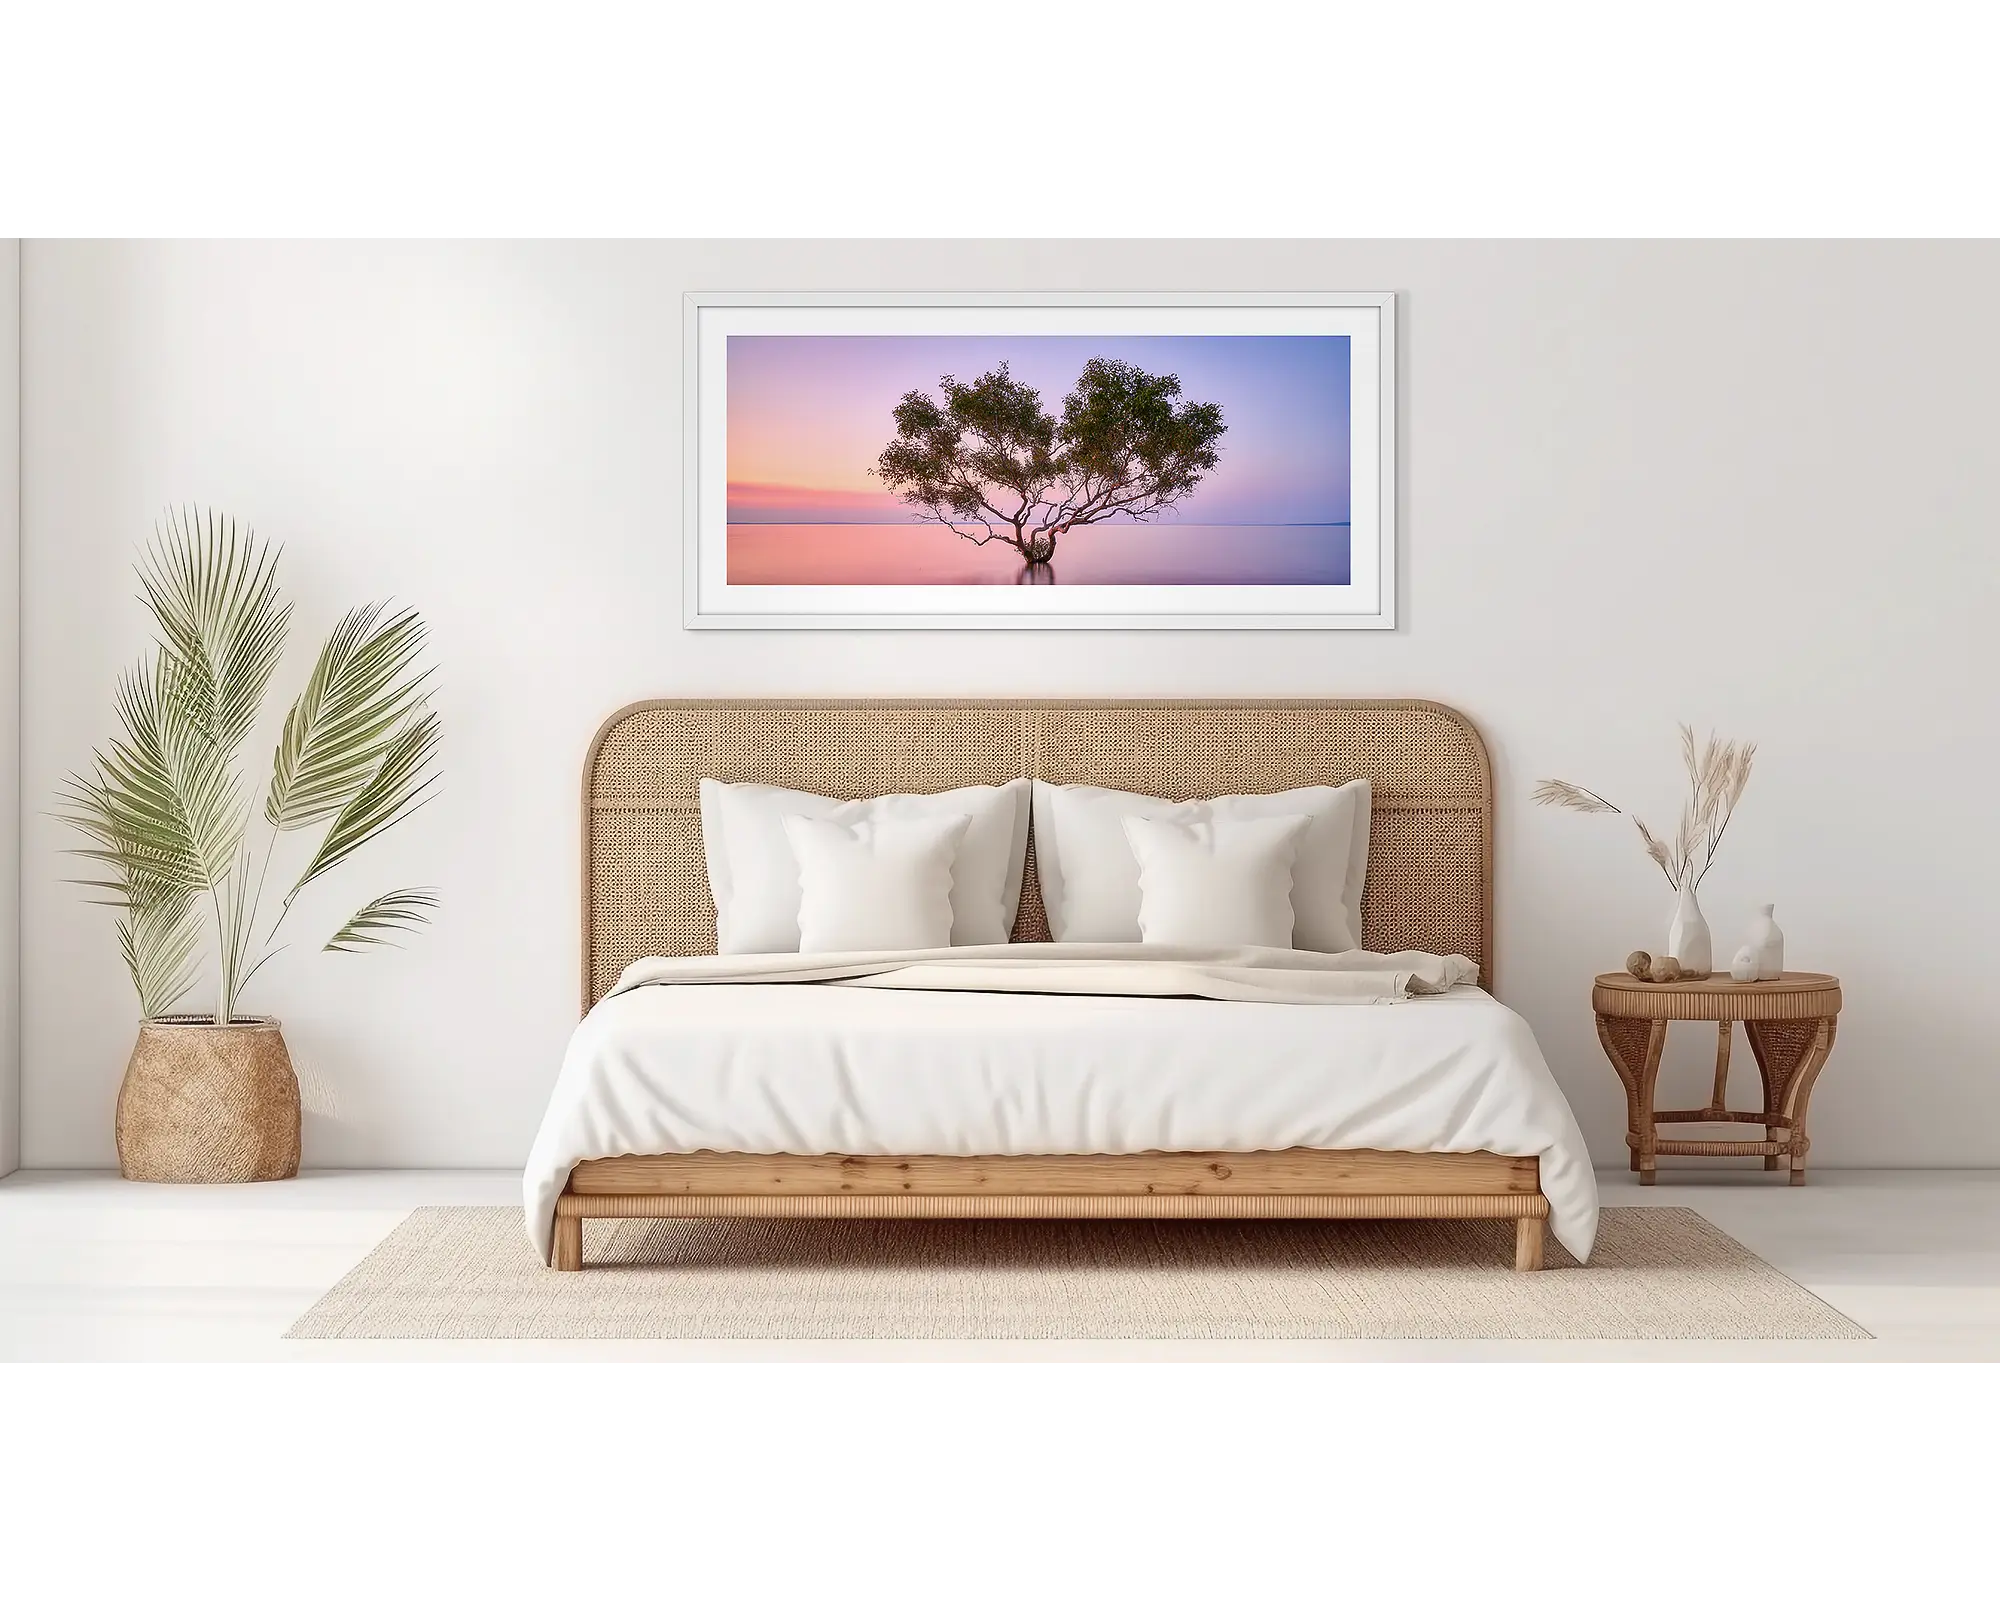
{"x":988,"y":460}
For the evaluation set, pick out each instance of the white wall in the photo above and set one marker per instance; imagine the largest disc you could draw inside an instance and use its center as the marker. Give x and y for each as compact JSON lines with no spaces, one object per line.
{"x":10,"y":705}
{"x":1744,"y":485}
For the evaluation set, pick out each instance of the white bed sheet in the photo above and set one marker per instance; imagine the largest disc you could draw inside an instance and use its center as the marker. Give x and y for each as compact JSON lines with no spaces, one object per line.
{"x":813,"y":1069}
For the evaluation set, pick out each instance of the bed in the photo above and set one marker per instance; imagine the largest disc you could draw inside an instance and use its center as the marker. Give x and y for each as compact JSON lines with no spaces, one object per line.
{"x":959,"y":1102}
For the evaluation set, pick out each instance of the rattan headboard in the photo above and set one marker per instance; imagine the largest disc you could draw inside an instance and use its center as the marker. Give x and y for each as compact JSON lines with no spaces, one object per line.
{"x":645,"y":884}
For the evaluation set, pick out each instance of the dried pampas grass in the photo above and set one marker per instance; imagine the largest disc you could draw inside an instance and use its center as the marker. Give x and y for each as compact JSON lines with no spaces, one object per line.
{"x":1718,"y":771}
{"x":1554,"y":792}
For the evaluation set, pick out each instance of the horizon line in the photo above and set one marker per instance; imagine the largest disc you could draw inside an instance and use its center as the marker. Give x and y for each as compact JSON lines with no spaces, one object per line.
{"x":810,"y":522}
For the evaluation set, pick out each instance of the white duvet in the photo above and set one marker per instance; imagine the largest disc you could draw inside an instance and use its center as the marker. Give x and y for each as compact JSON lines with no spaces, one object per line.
{"x":1057,"y":1050}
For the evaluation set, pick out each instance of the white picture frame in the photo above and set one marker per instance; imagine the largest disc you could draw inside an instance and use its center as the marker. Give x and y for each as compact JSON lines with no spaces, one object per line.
{"x":1368,"y":600}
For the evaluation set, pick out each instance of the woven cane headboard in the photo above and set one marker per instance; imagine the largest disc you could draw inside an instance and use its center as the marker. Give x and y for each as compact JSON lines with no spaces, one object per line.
{"x":645,"y":883}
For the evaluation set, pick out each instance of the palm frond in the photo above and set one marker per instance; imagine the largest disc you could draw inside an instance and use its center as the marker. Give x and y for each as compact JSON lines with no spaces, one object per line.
{"x":161,"y":808}
{"x":158,"y":800}
{"x":1573,"y":797}
{"x":235,"y":912}
{"x":398,"y":909}
{"x":400,"y":782}
{"x":159,"y":938}
{"x":213,"y":592}
{"x":154,"y":891}
{"x":359,"y":696}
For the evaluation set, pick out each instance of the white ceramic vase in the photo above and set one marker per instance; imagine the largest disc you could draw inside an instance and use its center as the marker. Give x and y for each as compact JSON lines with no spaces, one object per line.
{"x":1768,"y":940}
{"x":1687,"y":936}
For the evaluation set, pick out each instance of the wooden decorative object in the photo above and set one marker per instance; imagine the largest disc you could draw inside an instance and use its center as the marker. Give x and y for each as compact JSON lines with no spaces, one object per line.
{"x":1790,"y":1022}
{"x":207,"y":1104}
{"x":1430,"y":887}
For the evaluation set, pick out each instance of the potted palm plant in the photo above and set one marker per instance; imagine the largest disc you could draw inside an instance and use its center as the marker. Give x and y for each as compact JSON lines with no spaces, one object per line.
{"x":211,"y":1098}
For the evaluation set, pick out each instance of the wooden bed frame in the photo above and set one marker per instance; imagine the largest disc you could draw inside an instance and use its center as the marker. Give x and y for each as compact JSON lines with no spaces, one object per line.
{"x":1430,"y":887}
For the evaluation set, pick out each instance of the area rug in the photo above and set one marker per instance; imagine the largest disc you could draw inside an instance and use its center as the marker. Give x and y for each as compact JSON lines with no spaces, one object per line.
{"x":466,"y":1272}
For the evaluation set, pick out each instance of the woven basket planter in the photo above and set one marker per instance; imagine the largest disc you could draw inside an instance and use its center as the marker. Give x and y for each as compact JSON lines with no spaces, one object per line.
{"x":203,"y":1103}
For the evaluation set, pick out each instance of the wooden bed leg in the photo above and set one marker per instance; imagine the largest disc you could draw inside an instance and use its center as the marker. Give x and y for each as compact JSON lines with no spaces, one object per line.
{"x":567,"y":1256}
{"x":1528,"y":1244}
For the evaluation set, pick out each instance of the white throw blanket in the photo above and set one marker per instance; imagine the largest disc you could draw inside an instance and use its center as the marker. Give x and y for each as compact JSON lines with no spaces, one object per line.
{"x":1222,"y":972}
{"x":1056,"y":1050}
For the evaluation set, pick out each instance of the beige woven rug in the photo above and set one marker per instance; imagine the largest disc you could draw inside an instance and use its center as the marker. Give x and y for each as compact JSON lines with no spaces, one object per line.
{"x":466,"y":1272}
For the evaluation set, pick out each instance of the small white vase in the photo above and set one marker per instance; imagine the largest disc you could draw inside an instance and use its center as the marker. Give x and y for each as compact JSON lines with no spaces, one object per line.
{"x":1687,"y":936}
{"x":1768,"y":940}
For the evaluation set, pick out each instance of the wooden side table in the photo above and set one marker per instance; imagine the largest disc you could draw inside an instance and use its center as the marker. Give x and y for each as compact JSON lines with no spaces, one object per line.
{"x":1790,"y":1025}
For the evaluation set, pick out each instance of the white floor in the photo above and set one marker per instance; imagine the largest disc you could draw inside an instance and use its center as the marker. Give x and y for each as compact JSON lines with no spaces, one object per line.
{"x":92,"y":1268}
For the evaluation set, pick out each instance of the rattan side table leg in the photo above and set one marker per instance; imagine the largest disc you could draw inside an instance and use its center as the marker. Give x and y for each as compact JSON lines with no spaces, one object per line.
{"x":1790,"y":1055}
{"x":1634,"y":1046}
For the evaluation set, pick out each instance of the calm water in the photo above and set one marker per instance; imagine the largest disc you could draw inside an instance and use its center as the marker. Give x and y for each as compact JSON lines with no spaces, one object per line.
{"x":842,"y":553}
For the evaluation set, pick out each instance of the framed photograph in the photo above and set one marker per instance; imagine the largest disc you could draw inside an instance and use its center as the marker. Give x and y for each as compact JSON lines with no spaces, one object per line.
{"x":1041,"y":460}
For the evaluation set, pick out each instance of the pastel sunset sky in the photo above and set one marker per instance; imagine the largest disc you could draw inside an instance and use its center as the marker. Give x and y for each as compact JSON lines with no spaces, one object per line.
{"x":809,"y":415}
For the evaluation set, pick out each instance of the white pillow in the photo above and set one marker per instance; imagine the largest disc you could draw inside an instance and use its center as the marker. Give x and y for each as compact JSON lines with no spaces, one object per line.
{"x":1090,"y":879}
{"x":875,"y":885}
{"x":754,"y":876}
{"x":1216,"y":882}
